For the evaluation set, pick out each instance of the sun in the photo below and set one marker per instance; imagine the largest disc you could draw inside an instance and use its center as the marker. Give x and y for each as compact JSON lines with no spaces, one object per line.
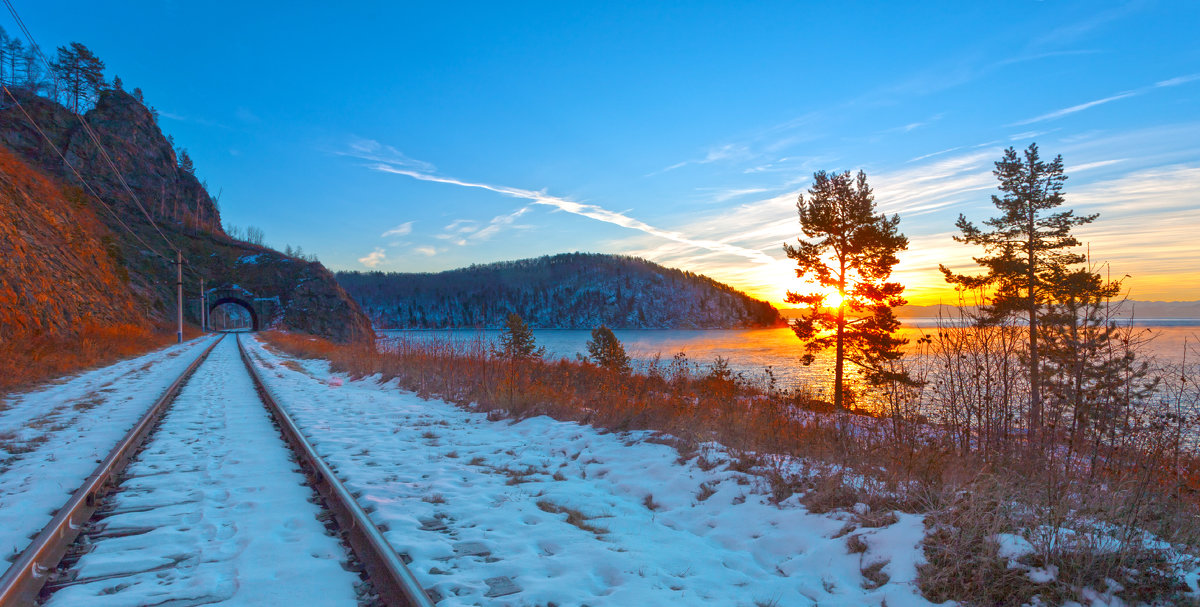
{"x":834,"y":300}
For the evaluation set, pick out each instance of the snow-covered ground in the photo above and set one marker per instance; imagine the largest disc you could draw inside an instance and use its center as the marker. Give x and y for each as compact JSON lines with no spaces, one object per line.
{"x":52,"y":438}
{"x":574,"y":516}
{"x":213,"y":511}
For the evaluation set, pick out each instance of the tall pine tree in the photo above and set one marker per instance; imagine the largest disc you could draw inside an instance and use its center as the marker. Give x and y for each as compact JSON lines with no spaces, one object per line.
{"x":81,"y":72}
{"x":850,"y":249}
{"x":1028,"y":251}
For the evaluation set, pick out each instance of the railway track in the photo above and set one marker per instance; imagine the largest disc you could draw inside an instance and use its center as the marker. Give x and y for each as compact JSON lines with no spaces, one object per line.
{"x":200,"y":502}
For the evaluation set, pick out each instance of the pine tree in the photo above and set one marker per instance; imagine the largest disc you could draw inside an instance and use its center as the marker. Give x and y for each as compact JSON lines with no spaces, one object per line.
{"x":606,"y":350}
{"x":81,"y":72}
{"x":14,"y":49}
{"x":3,"y":56}
{"x":517,"y":341}
{"x":185,"y":162}
{"x":32,"y":77}
{"x":1027,"y":250}
{"x":848,"y":248}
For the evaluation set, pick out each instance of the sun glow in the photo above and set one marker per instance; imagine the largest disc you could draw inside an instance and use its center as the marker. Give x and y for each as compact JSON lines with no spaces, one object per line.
{"x":834,"y":300}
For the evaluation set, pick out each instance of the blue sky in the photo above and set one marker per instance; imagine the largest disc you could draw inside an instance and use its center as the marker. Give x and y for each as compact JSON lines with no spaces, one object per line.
{"x":424,"y":137}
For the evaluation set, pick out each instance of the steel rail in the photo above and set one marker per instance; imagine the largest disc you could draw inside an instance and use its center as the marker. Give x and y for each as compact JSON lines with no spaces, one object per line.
{"x":26,"y":576}
{"x":393,"y":581}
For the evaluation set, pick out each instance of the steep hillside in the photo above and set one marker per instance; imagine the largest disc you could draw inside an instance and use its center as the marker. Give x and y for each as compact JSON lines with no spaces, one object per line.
{"x":60,"y":268}
{"x":147,"y":162}
{"x":569,"y":291}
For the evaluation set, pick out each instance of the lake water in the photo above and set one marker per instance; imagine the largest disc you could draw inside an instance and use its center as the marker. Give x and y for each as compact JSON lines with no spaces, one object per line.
{"x":750,"y":351}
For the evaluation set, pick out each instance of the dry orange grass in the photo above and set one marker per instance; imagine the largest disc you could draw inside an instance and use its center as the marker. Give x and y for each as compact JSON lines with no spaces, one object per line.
{"x":27,"y":362}
{"x":904,"y":463}
{"x":741,"y":417}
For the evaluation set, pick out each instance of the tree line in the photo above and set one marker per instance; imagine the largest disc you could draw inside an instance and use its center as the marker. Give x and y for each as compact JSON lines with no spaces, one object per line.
{"x":575,"y":290}
{"x":75,"y":78}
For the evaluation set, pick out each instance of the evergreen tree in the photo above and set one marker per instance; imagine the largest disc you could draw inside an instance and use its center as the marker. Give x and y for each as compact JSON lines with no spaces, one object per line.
{"x":517,"y":341}
{"x":1091,"y":374}
{"x":185,"y":162}
{"x":1028,"y":250}
{"x":14,"y":50}
{"x":849,"y":249}
{"x":606,"y":350}
{"x":3,"y":56}
{"x":32,"y":77}
{"x":81,"y":72}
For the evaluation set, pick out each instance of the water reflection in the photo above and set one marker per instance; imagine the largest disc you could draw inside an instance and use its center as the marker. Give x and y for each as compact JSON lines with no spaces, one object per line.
{"x":751,"y":351}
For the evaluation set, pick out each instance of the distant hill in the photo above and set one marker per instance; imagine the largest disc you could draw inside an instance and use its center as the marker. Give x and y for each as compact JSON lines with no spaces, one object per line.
{"x":568,"y":291}
{"x":1145,"y":310}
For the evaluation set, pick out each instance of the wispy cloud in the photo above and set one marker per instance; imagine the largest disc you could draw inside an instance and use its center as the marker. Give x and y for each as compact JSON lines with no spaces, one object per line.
{"x":729,"y":151}
{"x":1177,"y":81}
{"x":726,"y":195}
{"x":245,"y":115}
{"x":1029,"y":135}
{"x":912,"y":126}
{"x":465,"y":231}
{"x":1047,"y":55}
{"x":590,"y":211}
{"x":1170,"y":82}
{"x":1068,"y":33}
{"x":192,"y":119}
{"x":374,"y":258}
{"x":1073,"y":109}
{"x":426,"y":251}
{"x":369,"y":149}
{"x":1087,"y":166}
{"x":400,"y":230}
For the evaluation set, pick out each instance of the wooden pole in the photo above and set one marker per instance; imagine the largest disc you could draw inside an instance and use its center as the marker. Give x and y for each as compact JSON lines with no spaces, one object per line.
{"x":179,"y":295}
{"x":203,"y":307}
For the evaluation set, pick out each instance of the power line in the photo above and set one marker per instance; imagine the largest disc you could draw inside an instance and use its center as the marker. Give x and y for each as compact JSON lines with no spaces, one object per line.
{"x":95,"y":140}
{"x":88,"y":129}
{"x":87,"y":185}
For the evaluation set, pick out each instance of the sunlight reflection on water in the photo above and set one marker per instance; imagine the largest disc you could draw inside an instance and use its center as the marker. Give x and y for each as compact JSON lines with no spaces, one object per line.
{"x":750,"y":351}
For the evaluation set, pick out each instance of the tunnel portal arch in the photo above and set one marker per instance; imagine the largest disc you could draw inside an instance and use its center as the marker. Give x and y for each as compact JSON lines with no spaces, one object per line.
{"x":254,"y":324}
{"x":264,"y":311}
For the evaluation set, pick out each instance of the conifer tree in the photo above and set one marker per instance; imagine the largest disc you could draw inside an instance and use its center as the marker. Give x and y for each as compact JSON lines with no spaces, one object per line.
{"x":606,"y":350}
{"x":517,"y":341}
{"x":3,"y":56}
{"x":81,"y":71}
{"x":14,"y":50}
{"x":1028,"y":250}
{"x":848,"y":248}
{"x":185,"y":162}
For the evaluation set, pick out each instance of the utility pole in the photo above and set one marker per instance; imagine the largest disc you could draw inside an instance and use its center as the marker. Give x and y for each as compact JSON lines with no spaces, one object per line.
{"x":203,"y":307}
{"x":179,"y":294}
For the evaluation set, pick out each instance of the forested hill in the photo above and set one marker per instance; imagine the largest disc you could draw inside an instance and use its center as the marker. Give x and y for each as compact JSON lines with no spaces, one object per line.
{"x":569,"y":291}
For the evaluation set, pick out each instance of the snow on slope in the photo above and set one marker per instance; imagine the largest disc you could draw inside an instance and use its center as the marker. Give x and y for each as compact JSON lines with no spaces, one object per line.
{"x":574,"y":516}
{"x":230,"y":514}
{"x":52,"y":438}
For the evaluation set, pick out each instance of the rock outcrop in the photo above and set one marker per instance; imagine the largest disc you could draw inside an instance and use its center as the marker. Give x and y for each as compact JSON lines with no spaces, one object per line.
{"x":179,"y":204}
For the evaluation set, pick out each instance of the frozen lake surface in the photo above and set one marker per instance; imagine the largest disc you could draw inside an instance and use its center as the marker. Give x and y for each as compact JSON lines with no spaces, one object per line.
{"x":750,"y":351}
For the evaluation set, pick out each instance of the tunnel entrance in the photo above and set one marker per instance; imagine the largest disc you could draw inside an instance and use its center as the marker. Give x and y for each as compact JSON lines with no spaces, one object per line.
{"x":231,"y":313}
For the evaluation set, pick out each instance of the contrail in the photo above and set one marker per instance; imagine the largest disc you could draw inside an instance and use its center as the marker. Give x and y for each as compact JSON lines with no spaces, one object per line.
{"x":587,"y":210}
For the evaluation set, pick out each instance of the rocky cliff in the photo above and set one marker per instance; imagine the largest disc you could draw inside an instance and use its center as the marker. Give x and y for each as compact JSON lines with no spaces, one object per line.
{"x":146,"y":165}
{"x":60,"y":268}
